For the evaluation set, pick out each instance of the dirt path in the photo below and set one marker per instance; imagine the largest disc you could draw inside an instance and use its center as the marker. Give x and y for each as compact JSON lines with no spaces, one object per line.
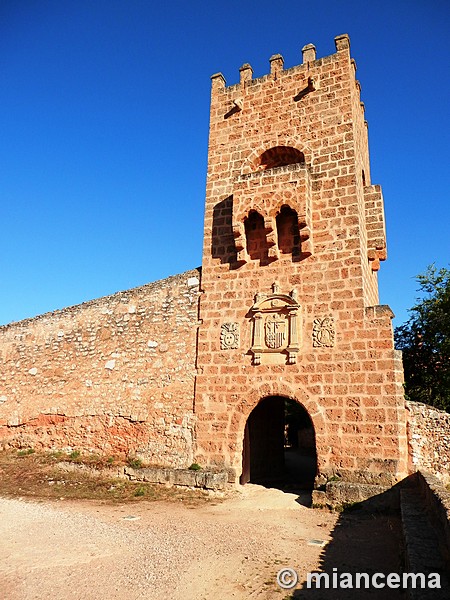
{"x":86,"y":551}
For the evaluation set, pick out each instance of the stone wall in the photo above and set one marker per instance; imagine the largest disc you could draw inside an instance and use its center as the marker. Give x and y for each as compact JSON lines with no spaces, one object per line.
{"x":429,"y":439}
{"x":114,"y":375}
{"x":437,"y":502}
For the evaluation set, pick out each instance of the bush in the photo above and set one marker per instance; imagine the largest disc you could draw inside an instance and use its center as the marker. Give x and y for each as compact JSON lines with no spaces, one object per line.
{"x":195,"y":467}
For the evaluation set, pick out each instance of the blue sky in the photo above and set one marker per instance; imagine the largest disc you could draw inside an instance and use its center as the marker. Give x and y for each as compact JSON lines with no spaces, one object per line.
{"x":104,"y":125}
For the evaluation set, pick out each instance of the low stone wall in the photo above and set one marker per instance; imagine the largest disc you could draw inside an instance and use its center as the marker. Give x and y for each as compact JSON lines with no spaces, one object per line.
{"x":429,"y":439}
{"x":437,"y":500}
{"x":208,"y":480}
{"x":203,"y":479}
{"x":424,"y":540}
{"x":113,"y":376}
{"x":338,"y":495}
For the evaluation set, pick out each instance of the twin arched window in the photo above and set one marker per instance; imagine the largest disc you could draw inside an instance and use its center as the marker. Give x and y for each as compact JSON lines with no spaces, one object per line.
{"x":288,"y":234}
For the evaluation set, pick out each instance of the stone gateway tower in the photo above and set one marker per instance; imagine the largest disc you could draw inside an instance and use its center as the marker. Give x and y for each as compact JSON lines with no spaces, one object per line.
{"x":276,"y":357}
{"x":290,"y":318}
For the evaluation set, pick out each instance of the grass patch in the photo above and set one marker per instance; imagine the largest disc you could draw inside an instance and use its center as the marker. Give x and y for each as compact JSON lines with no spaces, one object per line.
{"x":25,"y":452}
{"x":40,"y":475}
{"x":76,"y":457}
{"x":134,"y":463}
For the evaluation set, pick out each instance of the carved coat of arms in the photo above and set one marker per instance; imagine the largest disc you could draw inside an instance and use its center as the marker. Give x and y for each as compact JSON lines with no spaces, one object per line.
{"x":324,"y":332}
{"x":229,"y":336}
{"x":275,"y":331}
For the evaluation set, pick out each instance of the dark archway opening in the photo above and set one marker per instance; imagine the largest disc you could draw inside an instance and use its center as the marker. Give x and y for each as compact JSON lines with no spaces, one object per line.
{"x":280,"y":156}
{"x":255,"y":233}
{"x":288,"y":231}
{"x":279,"y":446}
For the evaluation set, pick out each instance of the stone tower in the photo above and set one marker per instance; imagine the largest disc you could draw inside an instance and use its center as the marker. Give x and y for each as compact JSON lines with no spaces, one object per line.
{"x":289,"y":311}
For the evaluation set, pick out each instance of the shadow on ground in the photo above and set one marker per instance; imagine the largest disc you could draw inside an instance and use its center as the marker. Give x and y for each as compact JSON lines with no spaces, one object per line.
{"x":363,"y":541}
{"x":369,"y":538}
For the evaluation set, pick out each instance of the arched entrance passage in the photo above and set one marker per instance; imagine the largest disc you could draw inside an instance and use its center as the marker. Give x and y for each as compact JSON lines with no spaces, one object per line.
{"x":279,"y":447}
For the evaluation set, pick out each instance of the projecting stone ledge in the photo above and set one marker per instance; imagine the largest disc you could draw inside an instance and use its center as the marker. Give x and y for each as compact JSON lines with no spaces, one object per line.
{"x":339,"y":494}
{"x":209,"y":480}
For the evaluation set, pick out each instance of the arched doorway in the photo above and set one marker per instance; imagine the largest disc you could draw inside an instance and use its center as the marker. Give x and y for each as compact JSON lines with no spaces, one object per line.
{"x":279,"y":445}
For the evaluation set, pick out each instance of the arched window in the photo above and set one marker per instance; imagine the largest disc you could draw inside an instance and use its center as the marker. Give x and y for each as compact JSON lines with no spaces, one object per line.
{"x":256,"y":237}
{"x":288,"y":231}
{"x":279,"y":156}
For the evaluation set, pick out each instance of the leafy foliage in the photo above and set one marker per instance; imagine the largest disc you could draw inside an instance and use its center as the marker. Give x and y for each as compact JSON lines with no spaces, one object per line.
{"x":195,"y":467}
{"x":425,"y":341}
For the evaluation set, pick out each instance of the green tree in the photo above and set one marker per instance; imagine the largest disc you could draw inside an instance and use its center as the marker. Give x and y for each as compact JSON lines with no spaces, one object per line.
{"x":425,"y":341}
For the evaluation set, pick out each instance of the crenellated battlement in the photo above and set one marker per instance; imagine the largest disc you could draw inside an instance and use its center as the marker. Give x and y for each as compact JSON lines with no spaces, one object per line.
{"x":276,"y":61}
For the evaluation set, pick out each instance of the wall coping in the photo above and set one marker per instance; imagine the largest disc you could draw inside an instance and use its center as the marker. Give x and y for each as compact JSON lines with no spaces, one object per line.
{"x":120,"y":295}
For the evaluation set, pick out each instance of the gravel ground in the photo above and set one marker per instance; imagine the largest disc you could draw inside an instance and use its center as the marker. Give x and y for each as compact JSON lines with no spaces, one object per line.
{"x":86,"y":551}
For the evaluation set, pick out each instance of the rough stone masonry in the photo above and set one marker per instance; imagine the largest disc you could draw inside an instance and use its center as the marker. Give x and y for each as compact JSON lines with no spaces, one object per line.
{"x":284,"y":309}
{"x":113,"y":376}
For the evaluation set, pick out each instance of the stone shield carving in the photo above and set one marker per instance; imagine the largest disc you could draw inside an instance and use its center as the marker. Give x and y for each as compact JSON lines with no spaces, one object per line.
{"x":275,"y":331}
{"x":229,"y":336}
{"x":324,"y":332}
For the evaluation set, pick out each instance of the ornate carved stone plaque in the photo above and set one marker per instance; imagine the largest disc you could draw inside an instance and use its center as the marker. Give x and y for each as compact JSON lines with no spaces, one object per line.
{"x":229,"y":336}
{"x":275,"y":328}
{"x":324,"y":332}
